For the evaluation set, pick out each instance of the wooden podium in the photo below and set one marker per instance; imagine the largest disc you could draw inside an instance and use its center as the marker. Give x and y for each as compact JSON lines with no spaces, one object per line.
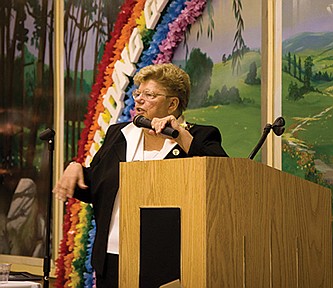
{"x":243,"y":224}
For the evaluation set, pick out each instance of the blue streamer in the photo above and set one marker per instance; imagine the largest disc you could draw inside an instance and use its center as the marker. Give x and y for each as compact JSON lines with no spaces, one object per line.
{"x":150,"y":54}
{"x":89,"y":275}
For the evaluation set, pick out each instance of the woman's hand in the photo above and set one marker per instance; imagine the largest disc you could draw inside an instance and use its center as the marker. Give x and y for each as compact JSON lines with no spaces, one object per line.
{"x":72,"y":177}
{"x":158,"y":124}
{"x":184,"y":139}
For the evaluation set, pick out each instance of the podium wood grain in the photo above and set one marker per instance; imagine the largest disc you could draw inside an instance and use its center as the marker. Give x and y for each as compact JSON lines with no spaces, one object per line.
{"x":243,"y":224}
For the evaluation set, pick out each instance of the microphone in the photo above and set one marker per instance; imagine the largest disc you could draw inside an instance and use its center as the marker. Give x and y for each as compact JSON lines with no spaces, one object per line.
{"x":278,"y":129}
{"x":141,"y":121}
{"x":278,"y":126}
{"x":47,"y":134}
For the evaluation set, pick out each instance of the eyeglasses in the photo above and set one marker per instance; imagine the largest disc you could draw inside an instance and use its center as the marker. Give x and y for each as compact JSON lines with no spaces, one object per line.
{"x":146,"y":94}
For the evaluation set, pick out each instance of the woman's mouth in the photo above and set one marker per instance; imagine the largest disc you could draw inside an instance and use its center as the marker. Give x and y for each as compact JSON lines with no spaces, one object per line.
{"x":139,"y":110}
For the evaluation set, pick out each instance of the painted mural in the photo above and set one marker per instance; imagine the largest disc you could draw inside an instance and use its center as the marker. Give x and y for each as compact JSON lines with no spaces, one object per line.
{"x":307,"y":79}
{"x":228,"y":94}
{"x":216,"y":42}
{"x":26,"y":109}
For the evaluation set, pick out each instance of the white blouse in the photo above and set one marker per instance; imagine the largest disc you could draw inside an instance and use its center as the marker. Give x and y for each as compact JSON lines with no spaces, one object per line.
{"x":134,"y":152}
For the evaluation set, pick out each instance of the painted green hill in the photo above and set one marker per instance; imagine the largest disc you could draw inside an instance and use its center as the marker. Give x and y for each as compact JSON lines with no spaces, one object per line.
{"x":238,"y":123}
{"x":311,"y":118}
{"x":308,"y":41}
{"x":317,"y":45}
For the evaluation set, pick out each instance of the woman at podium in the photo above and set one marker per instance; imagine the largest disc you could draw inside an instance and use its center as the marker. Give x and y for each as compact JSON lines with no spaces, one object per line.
{"x":159,"y":131}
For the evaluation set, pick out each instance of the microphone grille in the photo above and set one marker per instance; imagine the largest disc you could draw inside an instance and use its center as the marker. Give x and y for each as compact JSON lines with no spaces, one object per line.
{"x":136,"y":120}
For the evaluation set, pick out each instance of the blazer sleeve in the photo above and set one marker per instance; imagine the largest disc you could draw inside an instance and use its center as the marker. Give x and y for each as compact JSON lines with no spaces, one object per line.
{"x":207,"y":141}
{"x":112,"y":135}
{"x":84,"y":194}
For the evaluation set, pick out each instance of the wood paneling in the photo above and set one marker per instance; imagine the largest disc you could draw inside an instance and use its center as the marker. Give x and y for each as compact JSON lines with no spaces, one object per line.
{"x":243,"y":223}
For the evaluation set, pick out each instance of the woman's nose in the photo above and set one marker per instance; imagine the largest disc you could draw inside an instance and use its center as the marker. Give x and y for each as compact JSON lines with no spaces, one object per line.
{"x":139,"y":99}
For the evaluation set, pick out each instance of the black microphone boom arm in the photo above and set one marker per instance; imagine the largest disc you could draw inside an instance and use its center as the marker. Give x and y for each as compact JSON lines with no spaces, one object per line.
{"x":278,"y":129}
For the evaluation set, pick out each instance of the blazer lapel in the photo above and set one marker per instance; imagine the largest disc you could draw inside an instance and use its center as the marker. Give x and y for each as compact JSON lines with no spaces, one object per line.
{"x":176,"y":152}
{"x":120,"y":150}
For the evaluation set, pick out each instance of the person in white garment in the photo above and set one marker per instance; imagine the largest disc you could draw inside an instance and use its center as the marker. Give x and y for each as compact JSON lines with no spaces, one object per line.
{"x":162,"y":97}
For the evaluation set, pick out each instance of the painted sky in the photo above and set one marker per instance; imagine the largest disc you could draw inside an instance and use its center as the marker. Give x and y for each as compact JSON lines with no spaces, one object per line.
{"x":297,"y":16}
{"x":307,"y":16}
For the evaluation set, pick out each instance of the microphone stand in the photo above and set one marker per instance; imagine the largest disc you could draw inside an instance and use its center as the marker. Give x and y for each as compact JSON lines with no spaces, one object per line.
{"x":48,"y":135}
{"x":278,"y":129}
{"x":262,"y":140}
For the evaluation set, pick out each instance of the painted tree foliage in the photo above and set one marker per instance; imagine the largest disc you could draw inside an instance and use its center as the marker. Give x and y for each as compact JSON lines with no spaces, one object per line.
{"x":200,"y":77}
{"x":26,"y":105}
{"x":27,"y":90}
{"x":239,"y":47}
{"x":88,"y":25}
{"x":26,"y":75}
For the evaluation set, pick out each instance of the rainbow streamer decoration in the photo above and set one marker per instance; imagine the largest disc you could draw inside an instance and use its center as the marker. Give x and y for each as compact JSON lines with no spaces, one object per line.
{"x":145,"y":32}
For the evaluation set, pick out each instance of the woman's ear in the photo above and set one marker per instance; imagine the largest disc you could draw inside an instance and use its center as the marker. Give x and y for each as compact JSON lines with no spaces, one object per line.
{"x":174,"y":104}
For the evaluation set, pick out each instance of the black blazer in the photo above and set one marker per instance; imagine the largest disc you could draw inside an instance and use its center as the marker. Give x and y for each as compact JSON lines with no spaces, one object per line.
{"x":102,"y":177}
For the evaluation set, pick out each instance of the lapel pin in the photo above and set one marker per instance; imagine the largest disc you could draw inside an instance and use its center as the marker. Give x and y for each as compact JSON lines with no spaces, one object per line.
{"x":175,"y":152}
